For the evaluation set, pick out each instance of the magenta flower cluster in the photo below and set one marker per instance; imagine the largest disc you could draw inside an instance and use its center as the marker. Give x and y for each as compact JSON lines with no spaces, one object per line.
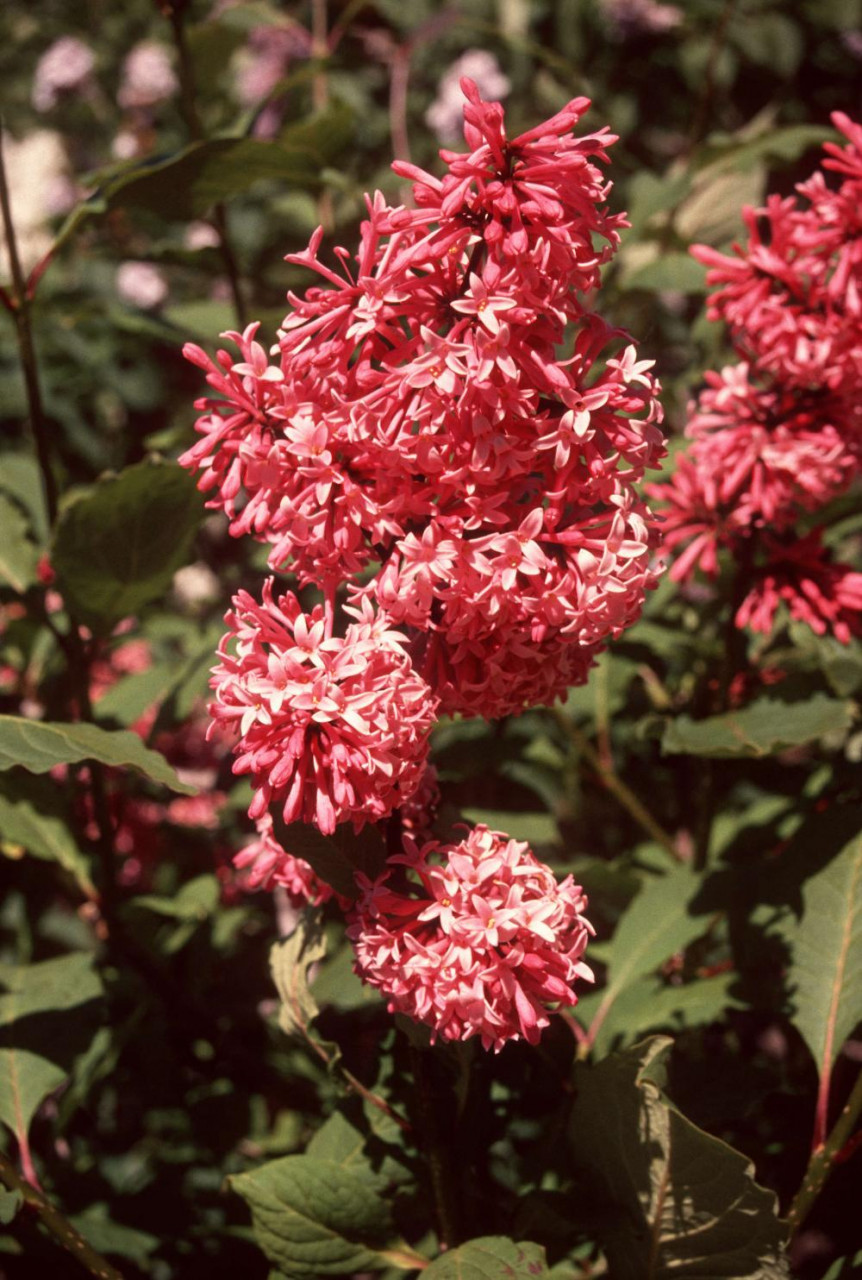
{"x":463,"y":499}
{"x":778,"y":436}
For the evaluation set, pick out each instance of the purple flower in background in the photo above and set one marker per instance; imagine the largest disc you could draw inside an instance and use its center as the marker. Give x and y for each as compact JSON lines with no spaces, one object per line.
{"x":627,"y":18}
{"x":141,"y":284}
{"x":446,"y":113}
{"x":64,"y":68}
{"x":148,"y":76}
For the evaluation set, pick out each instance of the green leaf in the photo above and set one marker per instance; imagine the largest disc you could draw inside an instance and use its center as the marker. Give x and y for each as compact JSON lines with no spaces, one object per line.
{"x":535,"y":828}
{"x":133,"y":695}
{"x":314,"y":1218}
{"x":21,"y":477}
{"x":117,"y":547}
{"x":289,"y":963}
{"x":187,"y":185}
{"x":10,"y":1203}
{"x":44,"y":836}
{"x":825,"y":975}
{"x":845,"y":1268}
{"x":654,"y":927}
{"x":195,"y":901}
{"x":38,"y":745}
{"x":648,"y":1004}
{"x":668,"y":1200}
{"x":729,"y":153}
{"x":107,"y":1236}
{"x":361,"y":1137}
{"x":676,"y":271}
{"x":761,"y":729}
{"x":18,"y":555}
{"x":37,"y":1043}
{"x":490,"y":1258}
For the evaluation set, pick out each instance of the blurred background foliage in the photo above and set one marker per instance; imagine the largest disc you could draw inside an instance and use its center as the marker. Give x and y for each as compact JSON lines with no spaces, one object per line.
{"x":167,"y":194}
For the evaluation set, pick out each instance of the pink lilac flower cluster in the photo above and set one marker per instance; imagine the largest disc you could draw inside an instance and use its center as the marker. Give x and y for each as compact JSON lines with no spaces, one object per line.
{"x":476,"y":938}
{"x":464,"y":499}
{"x":418,"y":422}
{"x":778,"y":436}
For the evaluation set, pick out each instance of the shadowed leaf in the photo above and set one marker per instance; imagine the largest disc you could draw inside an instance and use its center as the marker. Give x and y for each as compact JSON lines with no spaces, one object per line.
{"x":673,"y":1201}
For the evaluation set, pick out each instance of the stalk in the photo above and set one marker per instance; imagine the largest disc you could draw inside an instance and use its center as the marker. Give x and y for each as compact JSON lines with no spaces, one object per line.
{"x":57,"y":1226}
{"x":443,"y":1179}
{"x":825,"y":1157}
{"x":619,"y":789}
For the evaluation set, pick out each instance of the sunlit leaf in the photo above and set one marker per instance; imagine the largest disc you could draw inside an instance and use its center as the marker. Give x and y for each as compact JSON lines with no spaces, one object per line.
{"x":314,"y":1217}
{"x":825,"y":973}
{"x":490,"y":1258}
{"x":38,"y":746}
{"x":656,"y":925}
{"x":761,"y":729}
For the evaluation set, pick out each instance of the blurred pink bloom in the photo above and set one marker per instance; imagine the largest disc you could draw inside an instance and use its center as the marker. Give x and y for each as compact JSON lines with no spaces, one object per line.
{"x":628,"y":18}
{"x":66,"y":67}
{"x":476,"y":938}
{"x":266,"y":58}
{"x":148,"y":77}
{"x":816,"y":589}
{"x":141,"y":284}
{"x":446,"y":113}
{"x":195,"y":584}
{"x":200,"y":235}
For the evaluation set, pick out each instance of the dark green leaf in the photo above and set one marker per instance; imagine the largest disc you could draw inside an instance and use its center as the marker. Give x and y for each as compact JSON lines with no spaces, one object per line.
{"x":187,"y":185}
{"x":44,"y":836}
{"x":647,"y":1004}
{"x":117,"y":547}
{"x":761,"y":729}
{"x":38,"y":746}
{"x":10,"y":1203}
{"x":18,"y":555}
{"x":132,"y":695}
{"x":490,"y":1258}
{"x":21,"y":477}
{"x":108,"y":1236}
{"x":37,"y":1042}
{"x":335,"y":858}
{"x":670,"y":1200}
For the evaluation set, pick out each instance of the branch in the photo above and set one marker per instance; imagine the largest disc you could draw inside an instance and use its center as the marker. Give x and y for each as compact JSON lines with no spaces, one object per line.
{"x":55,"y":1223}
{"x":614,"y":783}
